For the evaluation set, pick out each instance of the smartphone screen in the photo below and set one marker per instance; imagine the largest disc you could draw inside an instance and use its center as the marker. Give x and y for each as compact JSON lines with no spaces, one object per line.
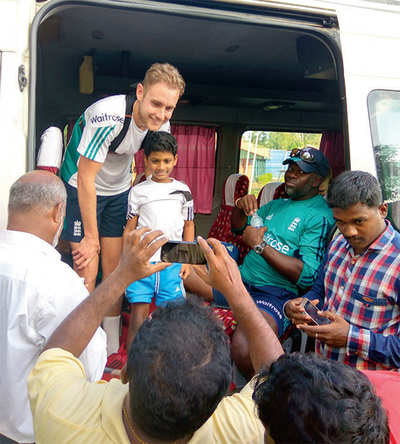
{"x":312,"y":311}
{"x":182,"y":252}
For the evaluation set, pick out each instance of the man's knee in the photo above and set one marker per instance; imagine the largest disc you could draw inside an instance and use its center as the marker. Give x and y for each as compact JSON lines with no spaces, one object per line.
{"x":271,"y":321}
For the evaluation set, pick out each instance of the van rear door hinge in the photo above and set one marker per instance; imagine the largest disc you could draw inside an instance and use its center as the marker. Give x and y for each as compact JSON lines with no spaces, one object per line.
{"x":22,"y":79}
{"x":330,"y":22}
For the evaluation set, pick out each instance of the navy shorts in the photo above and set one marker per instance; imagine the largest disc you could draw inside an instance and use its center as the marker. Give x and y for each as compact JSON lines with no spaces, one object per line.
{"x":268,"y":298}
{"x":111,"y":215}
{"x":271,"y":300}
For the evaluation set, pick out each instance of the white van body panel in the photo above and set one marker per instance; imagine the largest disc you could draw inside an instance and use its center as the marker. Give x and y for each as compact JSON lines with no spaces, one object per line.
{"x":370,"y":41}
{"x":15,"y":19}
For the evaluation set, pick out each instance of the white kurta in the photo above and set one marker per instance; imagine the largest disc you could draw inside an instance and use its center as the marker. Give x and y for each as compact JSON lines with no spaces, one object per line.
{"x":37,"y":291}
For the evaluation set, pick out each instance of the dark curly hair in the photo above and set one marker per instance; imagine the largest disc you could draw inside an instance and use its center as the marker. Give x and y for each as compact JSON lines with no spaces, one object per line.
{"x":179,"y":369}
{"x":308,"y":399}
{"x":156,"y":141}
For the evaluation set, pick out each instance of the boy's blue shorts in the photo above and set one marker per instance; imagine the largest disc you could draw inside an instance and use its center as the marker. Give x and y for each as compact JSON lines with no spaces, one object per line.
{"x":164,"y":286}
{"x":110,"y":211}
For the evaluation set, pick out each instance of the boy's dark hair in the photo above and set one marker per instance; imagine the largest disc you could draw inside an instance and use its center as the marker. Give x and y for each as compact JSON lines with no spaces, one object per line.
{"x":352,"y":187}
{"x":179,"y":369}
{"x":159,"y":141}
{"x":309,"y":399}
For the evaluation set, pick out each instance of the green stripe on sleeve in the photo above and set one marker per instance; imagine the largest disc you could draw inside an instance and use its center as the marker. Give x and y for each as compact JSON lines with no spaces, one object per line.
{"x":103,"y":135}
{"x":96,"y":135}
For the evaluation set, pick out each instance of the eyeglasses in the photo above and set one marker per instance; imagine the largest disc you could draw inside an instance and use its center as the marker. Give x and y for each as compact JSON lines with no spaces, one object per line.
{"x":304,"y":153}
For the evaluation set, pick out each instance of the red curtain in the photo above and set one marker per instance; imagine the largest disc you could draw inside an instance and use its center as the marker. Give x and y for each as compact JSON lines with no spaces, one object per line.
{"x":332,"y":145}
{"x":196,"y":163}
{"x":235,"y":186}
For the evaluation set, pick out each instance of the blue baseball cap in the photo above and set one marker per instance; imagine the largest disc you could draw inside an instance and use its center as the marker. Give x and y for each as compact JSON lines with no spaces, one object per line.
{"x":310,"y":160}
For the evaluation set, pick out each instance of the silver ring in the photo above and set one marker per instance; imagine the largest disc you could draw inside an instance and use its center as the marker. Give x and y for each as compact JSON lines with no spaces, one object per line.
{"x":316,"y":335}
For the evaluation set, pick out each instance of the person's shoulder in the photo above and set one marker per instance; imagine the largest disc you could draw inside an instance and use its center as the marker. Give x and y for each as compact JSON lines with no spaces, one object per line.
{"x":49,"y":365}
{"x":235,"y":420}
{"x":165,"y":127}
{"x":142,"y":185}
{"x":318,"y":202}
{"x":336,"y":244}
{"x":319,"y":208}
{"x":107,"y":111}
{"x":58,"y":384}
{"x":179,"y":184}
{"x":395,"y":238}
{"x":273,"y":204}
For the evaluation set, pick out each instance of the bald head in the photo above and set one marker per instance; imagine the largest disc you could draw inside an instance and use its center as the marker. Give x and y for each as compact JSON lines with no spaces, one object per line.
{"x":38,"y":190}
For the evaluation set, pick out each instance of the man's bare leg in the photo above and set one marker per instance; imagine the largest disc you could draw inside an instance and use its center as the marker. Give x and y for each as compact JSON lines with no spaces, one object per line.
{"x":240,"y":348}
{"x":111,"y":248}
{"x":139,"y":313}
{"x":89,"y":273}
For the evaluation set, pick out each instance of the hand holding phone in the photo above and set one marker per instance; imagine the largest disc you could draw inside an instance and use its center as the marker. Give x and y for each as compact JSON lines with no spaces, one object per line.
{"x":312,"y":311}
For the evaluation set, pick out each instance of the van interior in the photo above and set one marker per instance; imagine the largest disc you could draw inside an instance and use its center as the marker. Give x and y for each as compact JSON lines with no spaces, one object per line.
{"x":245,"y":69}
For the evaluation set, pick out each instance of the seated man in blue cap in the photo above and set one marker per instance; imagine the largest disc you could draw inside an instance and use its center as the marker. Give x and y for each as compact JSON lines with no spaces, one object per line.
{"x":288,"y":247}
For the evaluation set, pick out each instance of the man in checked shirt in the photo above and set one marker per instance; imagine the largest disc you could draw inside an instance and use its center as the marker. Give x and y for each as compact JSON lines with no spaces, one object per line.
{"x":358,"y":285}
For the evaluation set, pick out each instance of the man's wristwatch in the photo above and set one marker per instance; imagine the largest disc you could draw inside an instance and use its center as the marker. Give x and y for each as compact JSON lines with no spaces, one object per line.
{"x":259,"y":248}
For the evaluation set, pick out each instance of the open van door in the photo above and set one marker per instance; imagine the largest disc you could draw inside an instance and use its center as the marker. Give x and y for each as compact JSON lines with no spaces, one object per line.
{"x":15,"y":18}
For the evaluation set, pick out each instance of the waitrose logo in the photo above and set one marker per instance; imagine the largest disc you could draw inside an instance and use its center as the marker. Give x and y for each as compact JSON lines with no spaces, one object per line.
{"x":105,"y":117}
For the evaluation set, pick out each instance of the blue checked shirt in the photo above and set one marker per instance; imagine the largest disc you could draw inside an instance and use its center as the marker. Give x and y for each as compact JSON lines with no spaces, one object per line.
{"x":364,"y":290}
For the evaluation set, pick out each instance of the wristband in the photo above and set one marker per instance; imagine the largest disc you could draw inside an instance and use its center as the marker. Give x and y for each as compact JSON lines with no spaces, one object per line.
{"x":236,"y":202}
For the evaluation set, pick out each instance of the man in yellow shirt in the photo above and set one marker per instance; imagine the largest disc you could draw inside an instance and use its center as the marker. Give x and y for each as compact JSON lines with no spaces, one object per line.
{"x":179,"y":366}
{"x":179,"y":371}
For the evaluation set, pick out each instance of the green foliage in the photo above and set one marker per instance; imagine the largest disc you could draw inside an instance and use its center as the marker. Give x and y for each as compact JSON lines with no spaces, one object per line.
{"x":283,"y":140}
{"x":264,"y":178}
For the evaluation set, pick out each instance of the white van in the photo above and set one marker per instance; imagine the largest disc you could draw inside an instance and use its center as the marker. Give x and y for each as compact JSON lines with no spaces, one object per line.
{"x":309,"y":66}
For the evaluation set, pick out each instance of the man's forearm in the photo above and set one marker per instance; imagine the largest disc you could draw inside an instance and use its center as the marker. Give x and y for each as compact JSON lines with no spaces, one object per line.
{"x":238,"y":219}
{"x":383,"y":349}
{"x":264,"y":346}
{"x":188,"y":231}
{"x":288,"y":266}
{"x":87,"y":205}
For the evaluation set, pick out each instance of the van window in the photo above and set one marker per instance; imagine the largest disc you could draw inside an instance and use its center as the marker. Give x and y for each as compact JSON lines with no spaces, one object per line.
{"x":262,"y":154}
{"x":384,"y":115}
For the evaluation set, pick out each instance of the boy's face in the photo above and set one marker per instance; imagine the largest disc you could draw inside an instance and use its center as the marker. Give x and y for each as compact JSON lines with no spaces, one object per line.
{"x":160,"y":165}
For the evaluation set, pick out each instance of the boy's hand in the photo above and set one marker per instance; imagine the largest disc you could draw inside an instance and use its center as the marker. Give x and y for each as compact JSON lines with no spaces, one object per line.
{"x":185,"y":271}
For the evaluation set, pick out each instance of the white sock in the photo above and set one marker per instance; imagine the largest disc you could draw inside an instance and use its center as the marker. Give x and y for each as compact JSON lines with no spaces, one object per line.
{"x":111,"y":326}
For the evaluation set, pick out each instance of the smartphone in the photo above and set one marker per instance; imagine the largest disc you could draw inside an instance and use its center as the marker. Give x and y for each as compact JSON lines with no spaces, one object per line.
{"x":182,"y":252}
{"x":312,"y":311}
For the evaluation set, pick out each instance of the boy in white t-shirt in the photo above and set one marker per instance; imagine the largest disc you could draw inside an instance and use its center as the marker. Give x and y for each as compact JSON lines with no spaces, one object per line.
{"x":161,"y":203}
